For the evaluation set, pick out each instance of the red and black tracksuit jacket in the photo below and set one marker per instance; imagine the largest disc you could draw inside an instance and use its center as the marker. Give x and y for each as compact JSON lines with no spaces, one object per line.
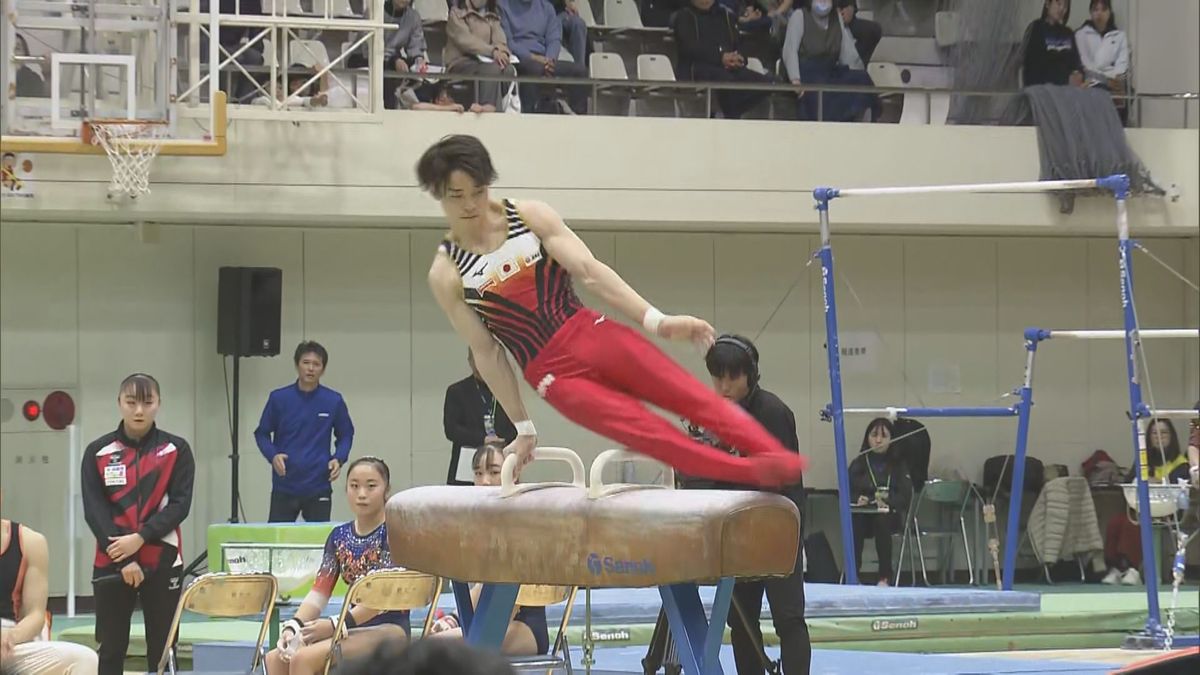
{"x":140,"y":486}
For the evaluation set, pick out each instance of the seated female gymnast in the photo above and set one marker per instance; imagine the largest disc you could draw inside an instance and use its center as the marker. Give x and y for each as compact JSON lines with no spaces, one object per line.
{"x":503,"y":276}
{"x":352,"y":550}
{"x":527,"y":632}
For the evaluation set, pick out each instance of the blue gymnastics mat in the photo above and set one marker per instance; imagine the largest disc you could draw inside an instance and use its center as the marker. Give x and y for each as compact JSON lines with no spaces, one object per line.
{"x":641,"y":605}
{"x":625,"y":660}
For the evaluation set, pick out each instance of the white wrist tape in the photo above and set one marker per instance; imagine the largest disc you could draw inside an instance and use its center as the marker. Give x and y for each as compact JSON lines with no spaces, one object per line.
{"x":652,"y":319}
{"x":525,"y":428}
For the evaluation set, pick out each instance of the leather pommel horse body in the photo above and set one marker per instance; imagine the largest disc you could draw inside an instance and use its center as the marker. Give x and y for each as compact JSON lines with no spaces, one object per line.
{"x":608,"y":536}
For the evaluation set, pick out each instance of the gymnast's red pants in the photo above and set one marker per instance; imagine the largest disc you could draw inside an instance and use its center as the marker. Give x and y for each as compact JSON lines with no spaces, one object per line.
{"x":598,"y":372}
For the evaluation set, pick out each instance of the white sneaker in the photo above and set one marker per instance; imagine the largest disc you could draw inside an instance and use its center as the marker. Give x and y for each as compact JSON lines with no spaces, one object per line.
{"x":1113,"y":577}
{"x":1131,"y":577}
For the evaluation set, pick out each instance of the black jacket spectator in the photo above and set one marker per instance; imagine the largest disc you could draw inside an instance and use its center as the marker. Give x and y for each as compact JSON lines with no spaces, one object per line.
{"x":1050,"y":54}
{"x":867,"y":35}
{"x":703,"y":35}
{"x":468,"y":401}
{"x":707,"y":38}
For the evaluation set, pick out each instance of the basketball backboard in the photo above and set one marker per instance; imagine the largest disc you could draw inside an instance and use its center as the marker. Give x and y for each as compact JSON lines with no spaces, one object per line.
{"x":65,"y":62}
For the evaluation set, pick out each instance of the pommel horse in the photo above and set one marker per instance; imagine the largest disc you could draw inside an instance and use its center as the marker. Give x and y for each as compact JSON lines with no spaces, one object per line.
{"x":615,"y":535}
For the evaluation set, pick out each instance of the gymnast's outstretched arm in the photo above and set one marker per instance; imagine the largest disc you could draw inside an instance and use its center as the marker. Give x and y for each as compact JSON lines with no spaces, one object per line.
{"x":490,"y":359}
{"x":569,"y":250}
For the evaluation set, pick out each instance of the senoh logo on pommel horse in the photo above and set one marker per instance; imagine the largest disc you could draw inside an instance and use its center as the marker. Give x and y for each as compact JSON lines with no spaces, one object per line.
{"x":598,"y":564}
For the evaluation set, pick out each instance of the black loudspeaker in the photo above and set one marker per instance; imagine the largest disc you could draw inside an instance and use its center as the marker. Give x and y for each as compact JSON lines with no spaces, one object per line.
{"x":248,"y":311}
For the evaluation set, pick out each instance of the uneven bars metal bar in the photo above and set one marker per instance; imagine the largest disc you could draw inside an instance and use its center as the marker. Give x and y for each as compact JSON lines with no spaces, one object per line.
{"x":1041,"y":334}
{"x":1178,"y":414}
{"x":967,"y":411}
{"x":1018,"y":187}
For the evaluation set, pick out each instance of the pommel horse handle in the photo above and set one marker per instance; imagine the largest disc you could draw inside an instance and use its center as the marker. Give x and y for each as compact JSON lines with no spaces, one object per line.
{"x":509,"y":486}
{"x":599,"y":489}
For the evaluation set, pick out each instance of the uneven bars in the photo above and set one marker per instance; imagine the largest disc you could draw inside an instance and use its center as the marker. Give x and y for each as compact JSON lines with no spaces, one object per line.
{"x":1109,"y":183}
{"x":892,"y":413}
{"x":1042,"y":334}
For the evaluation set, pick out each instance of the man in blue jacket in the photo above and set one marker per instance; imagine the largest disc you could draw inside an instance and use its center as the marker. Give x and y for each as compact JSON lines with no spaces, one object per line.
{"x":534,"y":34}
{"x":294,"y":436}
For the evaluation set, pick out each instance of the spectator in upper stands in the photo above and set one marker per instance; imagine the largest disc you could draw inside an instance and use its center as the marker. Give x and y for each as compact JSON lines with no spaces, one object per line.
{"x":1103,"y":48}
{"x":1051,"y":56}
{"x":1104,"y":52}
{"x":233,"y":38}
{"x":820,"y":49}
{"x":437,"y":95}
{"x":764,"y":16}
{"x":535,"y":36}
{"x":295,"y":95}
{"x":405,"y":50}
{"x":708,"y":40}
{"x":658,"y":13}
{"x":574,"y":28}
{"x":30,"y":81}
{"x":865,"y":33}
{"x":475,"y":45}
{"x":327,"y":91}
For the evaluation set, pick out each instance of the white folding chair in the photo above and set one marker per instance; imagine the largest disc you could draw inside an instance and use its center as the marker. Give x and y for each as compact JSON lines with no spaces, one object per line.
{"x":622,"y":14}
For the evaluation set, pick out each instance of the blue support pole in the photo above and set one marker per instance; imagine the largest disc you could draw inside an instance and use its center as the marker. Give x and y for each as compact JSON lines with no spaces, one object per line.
{"x":490,"y":619}
{"x":1024,"y":409}
{"x":697,"y":639}
{"x":1138,"y":413}
{"x":462,"y":600}
{"x":836,"y":411}
{"x":716,"y":622}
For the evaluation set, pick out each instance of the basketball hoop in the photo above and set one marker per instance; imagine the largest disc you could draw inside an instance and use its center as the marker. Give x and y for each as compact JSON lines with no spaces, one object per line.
{"x":131,"y":146}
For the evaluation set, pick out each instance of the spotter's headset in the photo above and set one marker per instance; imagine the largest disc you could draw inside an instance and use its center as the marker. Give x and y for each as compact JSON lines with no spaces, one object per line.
{"x":751,"y":351}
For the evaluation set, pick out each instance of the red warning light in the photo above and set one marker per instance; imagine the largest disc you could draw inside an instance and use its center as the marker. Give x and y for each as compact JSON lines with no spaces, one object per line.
{"x":31,"y":410}
{"x":60,"y":410}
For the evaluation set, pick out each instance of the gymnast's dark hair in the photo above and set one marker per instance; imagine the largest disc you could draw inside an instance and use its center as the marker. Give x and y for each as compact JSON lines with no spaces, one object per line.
{"x":1170,"y":451}
{"x":141,"y":386}
{"x":1112,"y":15}
{"x":380,"y":466}
{"x":733,"y":355}
{"x":872,"y":426}
{"x":485,"y":452}
{"x":429,"y":657}
{"x":1066,"y":13}
{"x":311,"y":347}
{"x":459,"y":152}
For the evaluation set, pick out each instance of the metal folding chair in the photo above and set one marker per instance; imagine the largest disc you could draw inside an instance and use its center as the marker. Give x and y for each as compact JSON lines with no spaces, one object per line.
{"x":535,"y":595}
{"x":943,"y":497}
{"x":384,"y":591}
{"x":227,"y":596}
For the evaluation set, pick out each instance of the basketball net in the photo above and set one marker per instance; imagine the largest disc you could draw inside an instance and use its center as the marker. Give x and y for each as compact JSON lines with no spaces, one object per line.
{"x":131,"y":148}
